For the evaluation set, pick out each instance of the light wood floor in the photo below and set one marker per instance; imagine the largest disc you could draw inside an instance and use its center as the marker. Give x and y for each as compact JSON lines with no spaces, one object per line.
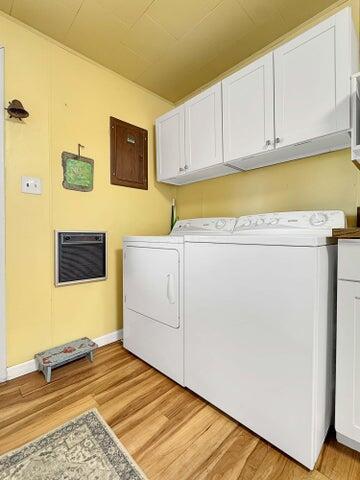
{"x":171,"y":432}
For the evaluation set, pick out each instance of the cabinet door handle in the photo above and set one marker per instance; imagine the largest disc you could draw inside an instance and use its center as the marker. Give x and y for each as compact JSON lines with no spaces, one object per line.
{"x":170,"y":291}
{"x":186,"y":167}
{"x":181,"y":169}
{"x":267,"y":143}
{"x":277,"y":140}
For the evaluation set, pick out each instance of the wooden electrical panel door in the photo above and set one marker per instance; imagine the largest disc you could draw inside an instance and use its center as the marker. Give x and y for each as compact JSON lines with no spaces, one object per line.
{"x":128,"y":154}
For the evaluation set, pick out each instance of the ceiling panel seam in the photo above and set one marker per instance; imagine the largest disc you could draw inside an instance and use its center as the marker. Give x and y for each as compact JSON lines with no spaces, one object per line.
{"x":73,"y":20}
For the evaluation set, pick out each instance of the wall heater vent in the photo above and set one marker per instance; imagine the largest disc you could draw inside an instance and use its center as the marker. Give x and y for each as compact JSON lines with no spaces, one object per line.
{"x":80,"y":257}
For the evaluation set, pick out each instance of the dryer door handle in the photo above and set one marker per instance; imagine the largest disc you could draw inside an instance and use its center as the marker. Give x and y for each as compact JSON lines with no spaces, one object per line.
{"x":170,"y":291}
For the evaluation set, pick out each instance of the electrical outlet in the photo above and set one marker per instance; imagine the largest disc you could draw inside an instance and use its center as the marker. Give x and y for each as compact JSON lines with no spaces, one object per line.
{"x":31,"y":185}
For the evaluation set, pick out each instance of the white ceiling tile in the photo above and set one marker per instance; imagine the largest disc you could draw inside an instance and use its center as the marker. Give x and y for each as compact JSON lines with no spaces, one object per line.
{"x":149,"y":39}
{"x":5,"y":5}
{"x":50,"y":17}
{"x":261,"y":12}
{"x":294,"y":12}
{"x":128,"y":11}
{"x":226,"y":24}
{"x":180,"y":16}
{"x":72,"y":5}
{"x":99,"y":35}
{"x":93,"y":20}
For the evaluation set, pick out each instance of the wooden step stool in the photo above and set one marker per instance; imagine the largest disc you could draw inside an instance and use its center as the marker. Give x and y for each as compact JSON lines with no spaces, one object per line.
{"x":58,"y":356}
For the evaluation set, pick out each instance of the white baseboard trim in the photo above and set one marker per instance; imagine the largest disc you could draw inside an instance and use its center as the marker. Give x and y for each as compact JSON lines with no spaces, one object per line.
{"x":21,"y":369}
{"x":30,"y":366}
{"x":109,"y":338}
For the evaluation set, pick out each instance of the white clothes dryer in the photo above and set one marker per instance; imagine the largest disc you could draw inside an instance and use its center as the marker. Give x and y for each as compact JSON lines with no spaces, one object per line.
{"x":153,"y":293}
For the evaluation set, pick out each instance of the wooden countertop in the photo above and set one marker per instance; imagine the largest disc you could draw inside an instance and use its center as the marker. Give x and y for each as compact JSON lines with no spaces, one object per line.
{"x":353,"y":232}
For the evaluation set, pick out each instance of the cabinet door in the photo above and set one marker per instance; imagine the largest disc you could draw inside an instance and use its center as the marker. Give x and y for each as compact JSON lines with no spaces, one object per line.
{"x":170,"y":144}
{"x":248,"y":110}
{"x":312,"y":82}
{"x":347,"y":420}
{"x":203,"y":129}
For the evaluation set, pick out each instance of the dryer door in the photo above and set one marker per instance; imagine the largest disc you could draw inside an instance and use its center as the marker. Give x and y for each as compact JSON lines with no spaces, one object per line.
{"x":151,"y":277}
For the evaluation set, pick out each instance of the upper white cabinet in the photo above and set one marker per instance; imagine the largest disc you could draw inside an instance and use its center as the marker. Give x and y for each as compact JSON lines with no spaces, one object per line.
{"x":309,"y":97}
{"x":312,"y":82}
{"x":293,"y":102}
{"x":203,"y":129}
{"x":170,"y":144}
{"x":248,"y":110}
{"x":189,"y":140}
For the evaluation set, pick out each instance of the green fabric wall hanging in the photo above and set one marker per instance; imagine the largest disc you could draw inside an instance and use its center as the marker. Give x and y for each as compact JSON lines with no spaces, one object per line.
{"x":78,"y":172}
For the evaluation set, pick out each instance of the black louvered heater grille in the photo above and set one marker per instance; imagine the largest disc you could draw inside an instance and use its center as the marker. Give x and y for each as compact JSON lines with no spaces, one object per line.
{"x":81,"y":257}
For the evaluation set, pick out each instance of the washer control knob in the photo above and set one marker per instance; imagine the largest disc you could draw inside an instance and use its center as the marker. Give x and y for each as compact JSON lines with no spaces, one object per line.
{"x":273,"y":221}
{"x":259,"y":221}
{"x":318,"y":219}
{"x":220,"y":224}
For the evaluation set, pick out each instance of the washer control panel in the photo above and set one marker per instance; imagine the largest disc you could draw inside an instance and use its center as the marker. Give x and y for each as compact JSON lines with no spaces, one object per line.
{"x":300,"y":222}
{"x":204,"y":226}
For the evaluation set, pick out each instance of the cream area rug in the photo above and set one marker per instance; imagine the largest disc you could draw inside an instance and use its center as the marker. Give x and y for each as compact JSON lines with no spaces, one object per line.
{"x":83,"y":449}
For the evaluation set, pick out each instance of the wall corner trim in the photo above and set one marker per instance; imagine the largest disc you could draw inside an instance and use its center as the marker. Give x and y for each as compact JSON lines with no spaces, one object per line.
{"x":30,"y":365}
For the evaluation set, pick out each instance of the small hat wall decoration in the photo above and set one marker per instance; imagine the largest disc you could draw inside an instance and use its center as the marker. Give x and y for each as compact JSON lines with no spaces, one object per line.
{"x":17,"y":110}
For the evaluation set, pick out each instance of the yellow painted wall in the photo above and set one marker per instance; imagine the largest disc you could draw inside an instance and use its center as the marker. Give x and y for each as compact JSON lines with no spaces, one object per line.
{"x":70,"y":100}
{"x":328,"y":181}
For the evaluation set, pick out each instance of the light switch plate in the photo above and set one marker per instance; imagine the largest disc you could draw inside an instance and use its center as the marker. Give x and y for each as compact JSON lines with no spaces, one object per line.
{"x":31,"y":185}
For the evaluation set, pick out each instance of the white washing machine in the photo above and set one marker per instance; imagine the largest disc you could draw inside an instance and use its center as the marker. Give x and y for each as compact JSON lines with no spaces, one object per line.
{"x":153,"y":293}
{"x":259,"y":325}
